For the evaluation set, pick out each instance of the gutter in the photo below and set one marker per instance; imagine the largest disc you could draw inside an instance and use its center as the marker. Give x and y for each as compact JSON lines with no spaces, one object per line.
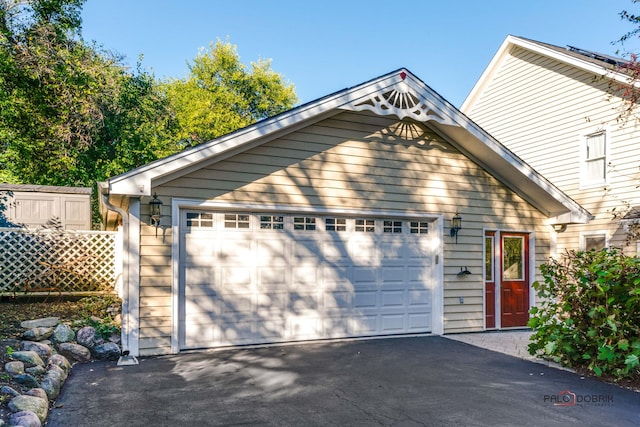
{"x":125,"y":357}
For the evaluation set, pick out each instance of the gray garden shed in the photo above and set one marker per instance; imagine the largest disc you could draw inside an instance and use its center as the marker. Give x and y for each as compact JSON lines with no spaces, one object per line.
{"x":34,"y":205}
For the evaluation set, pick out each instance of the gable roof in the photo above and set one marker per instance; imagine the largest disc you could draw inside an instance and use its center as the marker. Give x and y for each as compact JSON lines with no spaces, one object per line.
{"x":399,"y":93}
{"x":593,"y":62}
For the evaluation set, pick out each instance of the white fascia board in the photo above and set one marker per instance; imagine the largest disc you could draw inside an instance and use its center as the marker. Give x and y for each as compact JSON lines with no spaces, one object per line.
{"x":568,"y":59}
{"x":138,"y":182}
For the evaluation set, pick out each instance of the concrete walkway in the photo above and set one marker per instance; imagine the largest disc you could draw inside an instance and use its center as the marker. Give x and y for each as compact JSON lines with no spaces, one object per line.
{"x":514,"y":343}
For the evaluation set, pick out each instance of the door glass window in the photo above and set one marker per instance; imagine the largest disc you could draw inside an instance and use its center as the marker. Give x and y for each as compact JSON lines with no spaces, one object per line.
{"x":513,"y":258}
{"x":488,"y":258}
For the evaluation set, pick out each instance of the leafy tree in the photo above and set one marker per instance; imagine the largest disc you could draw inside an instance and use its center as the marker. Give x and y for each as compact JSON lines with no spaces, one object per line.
{"x":221,"y":95}
{"x":52,"y":91}
{"x":70,"y":112}
{"x":629,"y":90}
{"x":139,"y":130}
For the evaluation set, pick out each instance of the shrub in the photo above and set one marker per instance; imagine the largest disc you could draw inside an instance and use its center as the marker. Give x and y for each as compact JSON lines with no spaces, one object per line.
{"x":589,"y":313}
{"x":99,"y":312}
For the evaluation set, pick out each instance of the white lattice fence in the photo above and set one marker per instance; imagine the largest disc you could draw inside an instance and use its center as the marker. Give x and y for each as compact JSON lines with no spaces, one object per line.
{"x":57,"y":261}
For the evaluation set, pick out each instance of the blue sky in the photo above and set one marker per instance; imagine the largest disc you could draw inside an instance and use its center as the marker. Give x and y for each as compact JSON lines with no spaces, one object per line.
{"x":325,"y":46}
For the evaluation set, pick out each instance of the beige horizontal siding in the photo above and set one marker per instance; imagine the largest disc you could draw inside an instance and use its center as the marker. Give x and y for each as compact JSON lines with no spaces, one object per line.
{"x":540,"y":109}
{"x":155,"y":346}
{"x":356,"y":161}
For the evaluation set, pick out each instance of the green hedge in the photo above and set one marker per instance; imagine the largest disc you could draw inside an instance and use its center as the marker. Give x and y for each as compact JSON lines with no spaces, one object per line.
{"x":589,"y":313}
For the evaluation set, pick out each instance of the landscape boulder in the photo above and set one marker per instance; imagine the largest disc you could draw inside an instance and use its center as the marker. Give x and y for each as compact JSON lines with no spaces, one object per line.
{"x":14,"y":368}
{"x":28,"y":357}
{"x":37,"y":405}
{"x":27,"y":380}
{"x":46,"y":322}
{"x":43,"y":350}
{"x":75,"y":352}
{"x":61,"y":362}
{"x":38,"y":334}
{"x":63,"y":333}
{"x":24,"y":419}
{"x":107,"y":351}
{"x":87,"y":337}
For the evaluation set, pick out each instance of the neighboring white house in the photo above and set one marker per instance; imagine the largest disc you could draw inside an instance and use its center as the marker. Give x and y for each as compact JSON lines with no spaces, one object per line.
{"x":34,"y":205}
{"x":331,"y":220}
{"x":552,"y":106}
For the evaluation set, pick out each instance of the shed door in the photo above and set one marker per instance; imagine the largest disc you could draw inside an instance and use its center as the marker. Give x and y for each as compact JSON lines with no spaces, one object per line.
{"x":270,"y":277}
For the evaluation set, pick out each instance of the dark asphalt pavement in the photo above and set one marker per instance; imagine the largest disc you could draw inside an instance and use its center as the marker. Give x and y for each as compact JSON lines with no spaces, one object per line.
{"x":412,"y":381}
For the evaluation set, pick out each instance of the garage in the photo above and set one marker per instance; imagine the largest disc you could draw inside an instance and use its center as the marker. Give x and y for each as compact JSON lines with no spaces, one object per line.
{"x":269,"y":277}
{"x":331,"y":220}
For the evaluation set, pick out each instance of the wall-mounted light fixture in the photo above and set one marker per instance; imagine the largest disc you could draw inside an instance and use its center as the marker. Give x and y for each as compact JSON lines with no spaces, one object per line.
{"x":155,"y":211}
{"x":456,"y":225}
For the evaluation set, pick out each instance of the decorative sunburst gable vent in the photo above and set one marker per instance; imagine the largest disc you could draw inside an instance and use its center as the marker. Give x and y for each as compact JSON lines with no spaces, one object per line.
{"x":400,"y":99}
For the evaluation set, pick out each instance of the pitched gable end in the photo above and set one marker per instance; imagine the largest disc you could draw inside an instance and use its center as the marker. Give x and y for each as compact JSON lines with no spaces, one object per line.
{"x":406,"y":98}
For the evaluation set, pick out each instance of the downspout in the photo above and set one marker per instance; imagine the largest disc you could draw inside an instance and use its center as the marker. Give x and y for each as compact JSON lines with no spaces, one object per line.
{"x":125,"y":358}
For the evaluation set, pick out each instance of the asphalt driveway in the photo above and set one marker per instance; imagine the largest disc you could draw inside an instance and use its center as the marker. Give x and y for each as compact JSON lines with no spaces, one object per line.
{"x":416,"y":381}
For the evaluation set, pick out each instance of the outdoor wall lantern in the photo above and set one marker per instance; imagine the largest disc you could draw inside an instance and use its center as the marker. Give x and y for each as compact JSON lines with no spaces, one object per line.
{"x":155,"y":208}
{"x":456,"y":225}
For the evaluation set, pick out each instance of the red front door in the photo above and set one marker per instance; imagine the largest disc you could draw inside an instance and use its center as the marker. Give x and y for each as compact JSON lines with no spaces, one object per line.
{"x":514,"y":280}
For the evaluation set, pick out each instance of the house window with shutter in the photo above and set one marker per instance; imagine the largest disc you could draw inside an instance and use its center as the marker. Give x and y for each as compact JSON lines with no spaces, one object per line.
{"x":594,"y":167}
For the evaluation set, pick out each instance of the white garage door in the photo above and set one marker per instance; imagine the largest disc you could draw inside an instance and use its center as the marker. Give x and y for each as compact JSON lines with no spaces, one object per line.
{"x":249,"y":278}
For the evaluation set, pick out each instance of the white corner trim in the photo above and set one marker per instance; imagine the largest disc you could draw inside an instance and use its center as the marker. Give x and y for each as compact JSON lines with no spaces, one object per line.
{"x":437,"y":291}
{"x":175,"y":279}
{"x":132,"y":293}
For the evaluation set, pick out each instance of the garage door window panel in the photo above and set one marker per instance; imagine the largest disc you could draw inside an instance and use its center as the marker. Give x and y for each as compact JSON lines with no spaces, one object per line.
{"x":418,"y":227}
{"x":200,"y":220}
{"x":271,"y":222}
{"x":365,"y":226}
{"x":304,"y":223}
{"x":335,"y":224}
{"x":391,"y":226}
{"x":237,"y":221}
